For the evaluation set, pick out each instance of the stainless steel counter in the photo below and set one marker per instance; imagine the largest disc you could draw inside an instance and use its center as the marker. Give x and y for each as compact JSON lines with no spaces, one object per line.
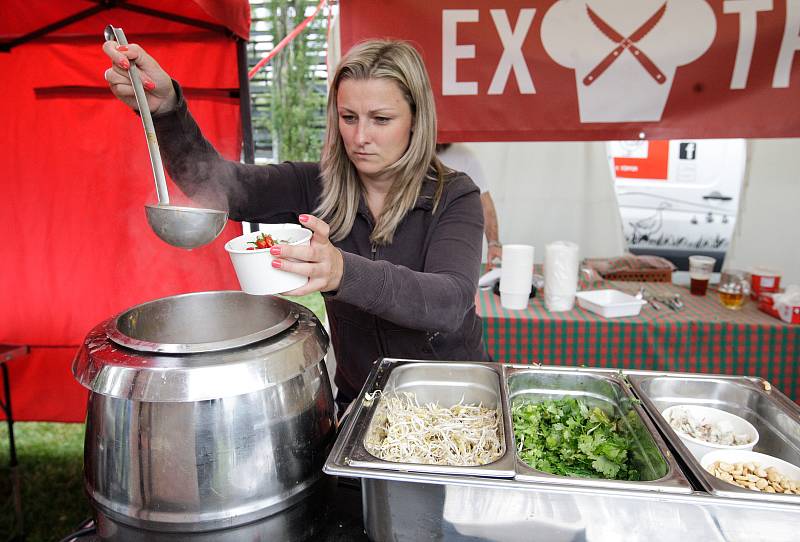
{"x":410,"y":505}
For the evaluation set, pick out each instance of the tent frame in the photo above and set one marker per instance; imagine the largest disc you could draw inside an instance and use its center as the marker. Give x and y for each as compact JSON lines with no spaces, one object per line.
{"x":248,"y":148}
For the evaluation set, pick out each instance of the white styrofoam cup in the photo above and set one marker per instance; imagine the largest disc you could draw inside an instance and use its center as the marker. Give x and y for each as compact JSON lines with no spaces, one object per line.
{"x":513,"y":301}
{"x":516,"y":273}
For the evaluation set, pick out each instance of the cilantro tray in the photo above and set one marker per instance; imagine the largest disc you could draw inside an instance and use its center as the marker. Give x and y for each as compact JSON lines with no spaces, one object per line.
{"x":566,"y":399}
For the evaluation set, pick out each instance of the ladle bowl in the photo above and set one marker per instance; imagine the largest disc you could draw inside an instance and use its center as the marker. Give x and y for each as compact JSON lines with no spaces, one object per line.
{"x":182,"y":227}
{"x":185,"y":227}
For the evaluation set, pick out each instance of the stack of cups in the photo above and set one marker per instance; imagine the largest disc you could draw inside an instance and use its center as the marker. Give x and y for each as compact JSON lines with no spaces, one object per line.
{"x":561,"y":262}
{"x":516,"y":276}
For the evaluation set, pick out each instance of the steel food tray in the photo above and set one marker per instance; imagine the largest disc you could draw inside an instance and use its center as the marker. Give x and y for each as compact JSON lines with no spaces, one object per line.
{"x":774,"y":415}
{"x":607,"y":390}
{"x":445,"y":383}
{"x":411,"y":506}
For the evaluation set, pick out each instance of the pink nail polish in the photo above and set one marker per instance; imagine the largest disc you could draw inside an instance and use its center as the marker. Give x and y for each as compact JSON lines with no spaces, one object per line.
{"x":275,"y":251}
{"x":277,"y":264}
{"x":303,"y":218}
{"x":124,"y":63}
{"x":149,"y":85}
{"x":122,"y":47}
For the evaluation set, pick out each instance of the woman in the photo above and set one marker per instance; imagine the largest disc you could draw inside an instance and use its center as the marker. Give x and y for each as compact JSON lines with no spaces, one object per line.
{"x":397,"y":237}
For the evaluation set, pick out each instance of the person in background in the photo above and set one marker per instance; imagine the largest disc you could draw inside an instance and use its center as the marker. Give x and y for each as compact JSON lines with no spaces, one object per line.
{"x":396,"y":248}
{"x":459,"y":158}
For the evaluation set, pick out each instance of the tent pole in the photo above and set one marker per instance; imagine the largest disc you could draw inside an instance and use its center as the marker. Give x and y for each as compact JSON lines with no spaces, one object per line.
{"x":7,"y":46}
{"x":248,"y":148}
{"x":176,"y":18}
{"x":103,"y":5}
{"x":244,"y":102}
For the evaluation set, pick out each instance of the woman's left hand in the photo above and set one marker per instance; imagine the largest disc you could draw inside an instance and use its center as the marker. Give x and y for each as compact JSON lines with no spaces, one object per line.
{"x":320,"y":261}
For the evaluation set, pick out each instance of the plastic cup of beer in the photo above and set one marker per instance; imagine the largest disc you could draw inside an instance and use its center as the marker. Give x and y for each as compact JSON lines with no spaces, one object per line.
{"x":700,"y":269}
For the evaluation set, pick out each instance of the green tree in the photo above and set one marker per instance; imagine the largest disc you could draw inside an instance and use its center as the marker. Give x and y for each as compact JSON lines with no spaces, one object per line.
{"x":296,"y":91}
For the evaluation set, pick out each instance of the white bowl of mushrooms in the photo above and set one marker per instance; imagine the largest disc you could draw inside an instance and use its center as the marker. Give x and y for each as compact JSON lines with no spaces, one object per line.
{"x":704,"y":429}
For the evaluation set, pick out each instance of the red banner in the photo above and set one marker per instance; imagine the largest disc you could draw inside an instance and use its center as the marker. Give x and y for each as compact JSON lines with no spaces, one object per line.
{"x":512,"y":70}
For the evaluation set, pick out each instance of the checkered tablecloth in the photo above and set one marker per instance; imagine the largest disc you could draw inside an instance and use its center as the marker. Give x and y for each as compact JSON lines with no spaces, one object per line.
{"x":704,"y":337}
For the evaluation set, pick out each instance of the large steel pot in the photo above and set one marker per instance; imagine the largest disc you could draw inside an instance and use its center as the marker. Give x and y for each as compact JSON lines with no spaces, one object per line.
{"x":207,"y":411}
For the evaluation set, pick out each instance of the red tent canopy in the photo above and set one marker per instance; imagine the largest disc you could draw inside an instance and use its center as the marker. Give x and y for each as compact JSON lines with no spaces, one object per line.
{"x":75,"y":244}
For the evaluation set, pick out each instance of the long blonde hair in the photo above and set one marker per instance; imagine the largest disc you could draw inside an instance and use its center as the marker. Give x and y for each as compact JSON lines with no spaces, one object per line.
{"x":399,"y":62}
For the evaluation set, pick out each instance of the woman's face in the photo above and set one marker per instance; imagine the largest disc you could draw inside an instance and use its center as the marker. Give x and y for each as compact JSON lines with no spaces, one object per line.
{"x":375,"y":122}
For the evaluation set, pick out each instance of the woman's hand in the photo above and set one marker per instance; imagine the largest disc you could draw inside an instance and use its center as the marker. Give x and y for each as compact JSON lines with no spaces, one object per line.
{"x":157,"y":84}
{"x":320,"y":261}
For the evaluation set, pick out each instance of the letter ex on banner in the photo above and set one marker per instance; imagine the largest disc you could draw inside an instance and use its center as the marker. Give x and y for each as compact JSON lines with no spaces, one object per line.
{"x":513,"y":70}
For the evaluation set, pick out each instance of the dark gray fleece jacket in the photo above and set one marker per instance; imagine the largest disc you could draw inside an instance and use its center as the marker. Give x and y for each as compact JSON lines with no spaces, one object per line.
{"x":414,"y":298}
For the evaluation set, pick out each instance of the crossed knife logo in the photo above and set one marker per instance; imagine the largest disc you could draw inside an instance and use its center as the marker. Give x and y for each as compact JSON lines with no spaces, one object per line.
{"x":624,"y":43}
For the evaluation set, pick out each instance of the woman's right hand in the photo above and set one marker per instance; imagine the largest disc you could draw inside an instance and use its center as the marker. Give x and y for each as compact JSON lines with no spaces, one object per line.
{"x":161,"y":97}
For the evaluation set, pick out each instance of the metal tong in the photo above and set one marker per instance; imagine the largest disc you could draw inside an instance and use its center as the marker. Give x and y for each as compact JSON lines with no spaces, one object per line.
{"x":672,"y":301}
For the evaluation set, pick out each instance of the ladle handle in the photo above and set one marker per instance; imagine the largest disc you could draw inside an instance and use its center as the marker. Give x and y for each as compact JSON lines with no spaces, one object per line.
{"x":147,"y":121}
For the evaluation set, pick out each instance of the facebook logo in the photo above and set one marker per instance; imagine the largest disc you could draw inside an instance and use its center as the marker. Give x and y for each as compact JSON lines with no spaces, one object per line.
{"x":688,"y":151}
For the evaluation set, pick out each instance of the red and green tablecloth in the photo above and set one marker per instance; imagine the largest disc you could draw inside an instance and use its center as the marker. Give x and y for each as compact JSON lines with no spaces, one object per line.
{"x":704,"y":337}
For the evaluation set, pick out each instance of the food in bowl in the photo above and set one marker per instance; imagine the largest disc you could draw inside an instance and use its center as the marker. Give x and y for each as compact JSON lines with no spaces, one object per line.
{"x":697,"y":423}
{"x":253,"y":264}
{"x":264,"y":241}
{"x":713,"y":428}
{"x":753,"y":475}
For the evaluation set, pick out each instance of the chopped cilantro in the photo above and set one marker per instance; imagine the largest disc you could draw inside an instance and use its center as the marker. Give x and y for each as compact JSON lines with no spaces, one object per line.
{"x":569,"y":438}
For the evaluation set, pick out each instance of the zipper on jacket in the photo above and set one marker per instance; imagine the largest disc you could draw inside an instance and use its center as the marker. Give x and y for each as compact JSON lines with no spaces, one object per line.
{"x":431,"y":336}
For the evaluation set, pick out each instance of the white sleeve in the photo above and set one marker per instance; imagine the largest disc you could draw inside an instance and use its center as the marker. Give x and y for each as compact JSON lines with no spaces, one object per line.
{"x":475,"y":171}
{"x":461,"y":158}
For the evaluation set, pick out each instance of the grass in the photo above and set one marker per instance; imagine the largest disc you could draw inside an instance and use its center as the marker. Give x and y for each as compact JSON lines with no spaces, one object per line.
{"x":50,"y":456}
{"x":51,"y":466}
{"x":312,"y":301}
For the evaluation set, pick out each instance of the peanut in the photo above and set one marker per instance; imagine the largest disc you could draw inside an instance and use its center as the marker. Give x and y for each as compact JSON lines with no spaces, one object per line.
{"x":752,"y":476}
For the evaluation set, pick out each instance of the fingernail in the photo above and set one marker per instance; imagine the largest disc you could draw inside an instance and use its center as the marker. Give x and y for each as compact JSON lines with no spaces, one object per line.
{"x":277,"y":264}
{"x":124,"y":63}
{"x":304,"y":218}
{"x":149,"y":85}
{"x":275,"y":251}
{"x":122,"y":47}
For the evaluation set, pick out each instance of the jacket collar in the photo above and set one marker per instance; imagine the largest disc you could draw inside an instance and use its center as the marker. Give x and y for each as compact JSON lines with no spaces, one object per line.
{"x":426,"y":195}
{"x":424,"y":200}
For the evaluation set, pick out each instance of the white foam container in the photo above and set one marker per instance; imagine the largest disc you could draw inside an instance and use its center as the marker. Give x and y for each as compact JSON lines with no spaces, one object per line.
{"x":610,"y":303}
{"x":254,"y":267}
{"x":514,"y":301}
{"x":700,"y":448}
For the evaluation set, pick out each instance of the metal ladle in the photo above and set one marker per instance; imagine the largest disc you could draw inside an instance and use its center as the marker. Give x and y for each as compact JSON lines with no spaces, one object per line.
{"x":183,"y":227}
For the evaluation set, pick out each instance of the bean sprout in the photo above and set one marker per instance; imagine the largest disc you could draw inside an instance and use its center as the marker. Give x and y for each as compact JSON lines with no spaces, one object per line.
{"x":462,"y":435}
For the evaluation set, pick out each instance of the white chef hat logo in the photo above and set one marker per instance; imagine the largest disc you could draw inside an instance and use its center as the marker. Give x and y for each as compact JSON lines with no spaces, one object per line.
{"x":625,"y":52}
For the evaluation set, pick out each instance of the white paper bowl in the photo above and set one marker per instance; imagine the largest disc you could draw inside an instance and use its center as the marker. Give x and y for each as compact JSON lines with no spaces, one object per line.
{"x":700,"y":448}
{"x":609,"y":303}
{"x":254,"y":267}
{"x":746,"y":456}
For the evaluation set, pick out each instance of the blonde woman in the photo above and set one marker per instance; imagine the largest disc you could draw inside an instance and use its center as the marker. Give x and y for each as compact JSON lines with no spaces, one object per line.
{"x":397,"y":237}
